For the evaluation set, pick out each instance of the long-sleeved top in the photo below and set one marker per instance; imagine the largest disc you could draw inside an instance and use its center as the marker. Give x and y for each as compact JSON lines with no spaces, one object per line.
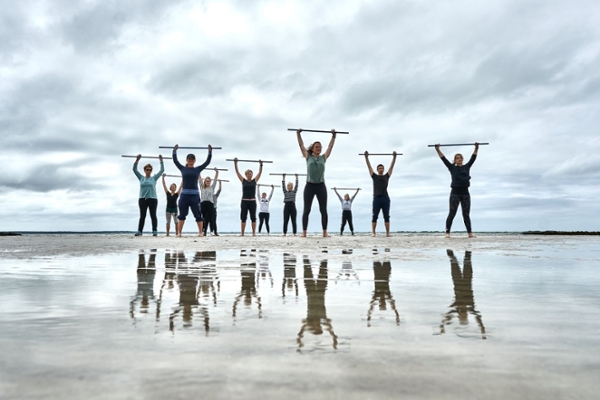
{"x":460,"y":175}
{"x":207,"y":193}
{"x":289,"y":196}
{"x":346,"y":204}
{"x":148,"y":185}
{"x":216,"y":197}
{"x":264,"y":202}
{"x":189,"y":176}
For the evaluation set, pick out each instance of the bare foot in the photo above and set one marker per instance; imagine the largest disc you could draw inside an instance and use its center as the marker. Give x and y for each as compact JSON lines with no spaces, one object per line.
{"x":373,"y":234}
{"x":447,"y":235}
{"x":388,"y":235}
{"x":471,"y":235}
{"x":326,"y":235}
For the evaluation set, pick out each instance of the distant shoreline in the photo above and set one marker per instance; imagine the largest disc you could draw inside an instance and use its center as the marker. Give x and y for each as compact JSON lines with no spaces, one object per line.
{"x":566,"y":233}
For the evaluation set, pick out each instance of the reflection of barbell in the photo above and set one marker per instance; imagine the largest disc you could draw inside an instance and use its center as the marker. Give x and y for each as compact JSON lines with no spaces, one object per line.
{"x":337,"y":188}
{"x":457,"y":144}
{"x":289,"y":174}
{"x":316,"y":130}
{"x":164,"y":158}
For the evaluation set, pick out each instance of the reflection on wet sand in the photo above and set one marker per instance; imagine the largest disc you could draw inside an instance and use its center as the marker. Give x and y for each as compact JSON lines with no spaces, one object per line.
{"x":316,"y":314}
{"x":145,"y":284}
{"x":382,"y":293}
{"x":248,"y":290}
{"x":464,"y":301}
{"x":290,"y":282}
{"x":263,"y":272}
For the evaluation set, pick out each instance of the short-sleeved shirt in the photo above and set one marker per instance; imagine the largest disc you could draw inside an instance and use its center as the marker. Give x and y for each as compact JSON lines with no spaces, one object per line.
{"x":315,"y":169}
{"x":380,"y":184}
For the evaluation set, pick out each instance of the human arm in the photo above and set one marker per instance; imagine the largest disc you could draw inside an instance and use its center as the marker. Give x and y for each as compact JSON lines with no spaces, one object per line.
{"x":180,"y":187}
{"x":237,"y":171}
{"x":214,"y":185}
{"x":352,"y":199}
{"x":331,"y":143}
{"x":164,"y":184}
{"x":162,"y":168}
{"x":219,"y":190}
{"x":444,"y":159}
{"x":392,"y":164}
{"x":283,"y":184}
{"x":135,"y":166}
{"x":208,"y":159}
{"x":259,"y":171}
{"x":474,"y":155}
{"x":175,"y":160}
{"x":368,"y":163}
{"x":296,"y":185}
{"x":338,"y":195}
{"x":271,"y":195}
{"x":301,"y":143}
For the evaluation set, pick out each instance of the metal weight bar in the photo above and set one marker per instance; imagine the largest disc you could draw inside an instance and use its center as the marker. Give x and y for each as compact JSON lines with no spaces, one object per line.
{"x":127,"y":156}
{"x":257,"y":161}
{"x":458,"y":144}
{"x":190,"y":147}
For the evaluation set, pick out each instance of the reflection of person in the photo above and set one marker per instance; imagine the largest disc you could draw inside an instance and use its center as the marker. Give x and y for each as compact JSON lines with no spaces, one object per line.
{"x":190,"y":195}
{"x":248,"y":203}
{"x":316,"y":314}
{"x":148,"y":198}
{"x":248,"y":290}
{"x":289,"y":204}
{"x":381,"y":198}
{"x":461,"y":180}
{"x":145,"y":283}
{"x":346,"y":210}
{"x":315,"y":180}
{"x":207,"y":201}
{"x":382,"y":293}
{"x":172,"y":196}
{"x":464,"y":301}
{"x":263,"y":215}
{"x":289,"y":275}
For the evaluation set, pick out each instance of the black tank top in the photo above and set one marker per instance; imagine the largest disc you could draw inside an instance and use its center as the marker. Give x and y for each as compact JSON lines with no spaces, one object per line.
{"x":248,"y":189}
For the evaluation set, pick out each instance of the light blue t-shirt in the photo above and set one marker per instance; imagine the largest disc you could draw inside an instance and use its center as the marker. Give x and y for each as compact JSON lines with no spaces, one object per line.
{"x":148,"y":185}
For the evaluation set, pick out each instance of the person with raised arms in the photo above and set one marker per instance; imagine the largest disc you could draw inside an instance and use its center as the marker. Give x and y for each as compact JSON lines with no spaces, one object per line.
{"x":172,"y":196}
{"x":315,"y":180}
{"x":346,"y":210}
{"x":459,"y":195}
{"x":190,"y":195}
{"x":289,"y":204}
{"x":213,"y":227}
{"x":264,"y":215}
{"x":248,"y":203}
{"x":381,"y":198}
{"x":207,"y":202}
{"x":148,"y":199}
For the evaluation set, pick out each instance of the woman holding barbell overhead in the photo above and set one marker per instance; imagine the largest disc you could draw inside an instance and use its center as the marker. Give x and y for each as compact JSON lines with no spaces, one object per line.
{"x":190,"y":195}
{"x":148,"y":199}
{"x":207,"y":202}
{"x":346,"y":210}
{"x":315,"y":180}
{"x":460,"y":187}
{"x":248,"y":203}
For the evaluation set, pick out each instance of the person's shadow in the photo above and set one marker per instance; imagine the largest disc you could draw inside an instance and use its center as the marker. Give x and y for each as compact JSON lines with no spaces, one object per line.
{"x":464,"y":300}
{"x":316,"y":320}
{"x":382,"y":293}
{"x":146,"y":273}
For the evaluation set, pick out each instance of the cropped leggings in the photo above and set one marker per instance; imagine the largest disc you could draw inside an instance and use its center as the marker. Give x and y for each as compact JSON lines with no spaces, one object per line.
{"x":464,"y":200}
{"x":310,"y":191}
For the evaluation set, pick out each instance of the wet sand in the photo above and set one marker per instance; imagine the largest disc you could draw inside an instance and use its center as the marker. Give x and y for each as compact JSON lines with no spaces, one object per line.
{"x":110,"y":317}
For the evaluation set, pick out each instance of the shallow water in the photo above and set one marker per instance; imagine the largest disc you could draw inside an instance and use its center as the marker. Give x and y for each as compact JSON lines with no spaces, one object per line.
{"x":330,"y":324}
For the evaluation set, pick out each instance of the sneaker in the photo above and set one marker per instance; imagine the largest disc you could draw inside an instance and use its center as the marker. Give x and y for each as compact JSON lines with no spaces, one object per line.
{"x":154,"y":233}
{"x":215,"y":234}
{"x":138,"y":233}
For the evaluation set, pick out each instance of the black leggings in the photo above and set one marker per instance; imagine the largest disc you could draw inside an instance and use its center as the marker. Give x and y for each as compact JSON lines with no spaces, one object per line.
{"x":347,"y":217}
{"x":207,"y":209}
{"x":146,"y":204}
{"x":263,"y":217}
{"x":310,"y":191}
{"x":464,"y":200}
{"x":213,"y":227}
{"x":289,"y":212}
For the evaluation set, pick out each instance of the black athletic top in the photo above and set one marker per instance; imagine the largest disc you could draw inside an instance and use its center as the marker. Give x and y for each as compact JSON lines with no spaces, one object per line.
{"x":172,"y":200}
{"x":248,"y":189}
{"x":380,"y":184}
{"x":460,"y":175}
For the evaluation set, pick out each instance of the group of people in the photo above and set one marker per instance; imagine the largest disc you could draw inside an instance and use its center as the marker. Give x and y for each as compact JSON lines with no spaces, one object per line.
{"x":202,"y":201}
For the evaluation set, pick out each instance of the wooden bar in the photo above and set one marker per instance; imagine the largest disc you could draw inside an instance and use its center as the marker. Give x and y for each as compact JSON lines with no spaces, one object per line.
{"x":317,"y":130}
{"x":380,"y":154}
{"x":127,"y":156}
{"x":189,"y":147}
{"x":458,"y":144}
{"x":289,"y":174}
{"x":257,"y":161}
{"x":222,"y":180}
{"x":337,"y":188}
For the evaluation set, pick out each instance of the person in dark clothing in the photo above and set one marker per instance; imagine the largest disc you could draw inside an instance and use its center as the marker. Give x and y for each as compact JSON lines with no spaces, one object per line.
{"x":459,"y":195}
{"x":289,"y":204}
{"x":172,"y":196}
{"x":381,"y":198}
{"x":248,"y":203}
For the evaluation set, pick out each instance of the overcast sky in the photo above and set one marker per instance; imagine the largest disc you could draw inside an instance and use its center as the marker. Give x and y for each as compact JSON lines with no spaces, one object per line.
{"x":82,"y":83}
